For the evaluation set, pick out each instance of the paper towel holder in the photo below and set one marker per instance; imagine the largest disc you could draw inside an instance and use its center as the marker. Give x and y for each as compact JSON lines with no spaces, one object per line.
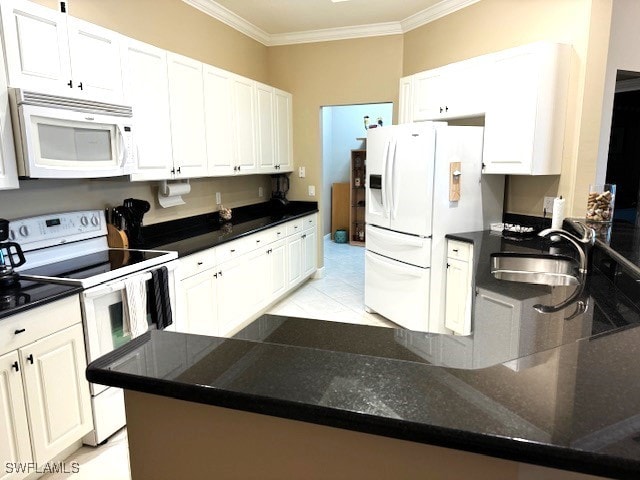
{"x":166,"y":184}
{"x":170,"y":192}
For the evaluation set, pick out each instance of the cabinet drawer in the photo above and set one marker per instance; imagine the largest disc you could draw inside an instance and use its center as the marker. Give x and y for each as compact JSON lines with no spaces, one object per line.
{"x":38,"y":323}
{"x":234,"y":249}
{"x":459,"y":250}
{"x":294,"y":226}
{"x":309,"y":222}
{"x":197,"y":262}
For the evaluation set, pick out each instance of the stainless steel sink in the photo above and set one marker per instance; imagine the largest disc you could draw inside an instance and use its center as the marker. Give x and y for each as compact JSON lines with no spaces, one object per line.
{"x":552,"y":270}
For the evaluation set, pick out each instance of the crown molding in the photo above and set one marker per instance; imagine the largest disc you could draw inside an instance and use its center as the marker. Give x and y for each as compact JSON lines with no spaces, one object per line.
{"x":229,"y":18}
{"x":341,"y":33}
{"x":431,"y":14}
{"x":226,"y":16}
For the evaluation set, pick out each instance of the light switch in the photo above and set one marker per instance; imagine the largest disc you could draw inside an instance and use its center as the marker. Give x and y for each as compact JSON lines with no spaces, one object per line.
{"x":218,"y":198}
{"x":260,"y":192}
{"x":312,"y":190}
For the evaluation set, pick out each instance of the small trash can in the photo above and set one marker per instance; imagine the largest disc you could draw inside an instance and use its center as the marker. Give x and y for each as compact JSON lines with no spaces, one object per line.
{"x":340,"y":236}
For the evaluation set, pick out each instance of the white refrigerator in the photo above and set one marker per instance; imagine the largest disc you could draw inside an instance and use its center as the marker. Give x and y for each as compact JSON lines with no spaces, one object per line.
{"x":410,"y":170}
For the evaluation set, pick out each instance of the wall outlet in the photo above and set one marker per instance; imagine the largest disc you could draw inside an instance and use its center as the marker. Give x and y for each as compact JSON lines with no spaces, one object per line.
{"x":548,"y":206}
{"x":301,"y":172}
{"x":218,"y":198}
{"x":312,"y":190}
{"x":260,"y":192}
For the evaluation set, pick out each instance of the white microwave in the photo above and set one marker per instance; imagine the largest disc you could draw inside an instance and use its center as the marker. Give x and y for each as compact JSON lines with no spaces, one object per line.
{"x":61,"y":137}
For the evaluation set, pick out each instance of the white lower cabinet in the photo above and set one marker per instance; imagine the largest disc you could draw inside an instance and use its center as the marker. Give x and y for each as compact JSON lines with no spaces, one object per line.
{"x":44,"y":397}
{"x":223,"y":296}
{"x":458,"y":296}
{"x":199,"y":298}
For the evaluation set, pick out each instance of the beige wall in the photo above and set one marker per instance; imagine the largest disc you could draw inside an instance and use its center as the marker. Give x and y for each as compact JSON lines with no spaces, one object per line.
{"x":331,"y":73}
{"x":493,"y":25}
{"x":174,"y":26}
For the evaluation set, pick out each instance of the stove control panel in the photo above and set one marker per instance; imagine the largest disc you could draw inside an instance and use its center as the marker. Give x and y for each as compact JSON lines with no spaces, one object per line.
{"x":57,"y":228}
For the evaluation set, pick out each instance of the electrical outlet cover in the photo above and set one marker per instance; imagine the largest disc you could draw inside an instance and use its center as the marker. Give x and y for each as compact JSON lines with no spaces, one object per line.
{"x":548,"y":205}
{"x":312,"y":190}
{"x":218,"y":198}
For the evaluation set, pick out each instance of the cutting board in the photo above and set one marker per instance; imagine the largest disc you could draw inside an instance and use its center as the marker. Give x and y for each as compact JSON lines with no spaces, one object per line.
{"x":116,"y":238}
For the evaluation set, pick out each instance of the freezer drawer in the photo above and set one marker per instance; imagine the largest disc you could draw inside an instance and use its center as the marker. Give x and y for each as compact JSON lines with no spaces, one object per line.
{"x":397,"y":291}
{"x":399,"y":246}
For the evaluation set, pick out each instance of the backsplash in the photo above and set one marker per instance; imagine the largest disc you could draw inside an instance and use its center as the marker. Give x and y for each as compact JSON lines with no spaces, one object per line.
{"x":38,"y":197}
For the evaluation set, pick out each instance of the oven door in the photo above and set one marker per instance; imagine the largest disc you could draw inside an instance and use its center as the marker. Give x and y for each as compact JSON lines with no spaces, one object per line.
{"x":104,"y":315}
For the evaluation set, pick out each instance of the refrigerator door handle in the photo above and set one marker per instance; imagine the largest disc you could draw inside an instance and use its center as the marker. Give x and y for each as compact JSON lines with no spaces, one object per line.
{"x":394,"y":197}
{"x":388,"y":176}
{"x":393,"y":267}
{"x":395,"y":239}
{"x":385,"y":162}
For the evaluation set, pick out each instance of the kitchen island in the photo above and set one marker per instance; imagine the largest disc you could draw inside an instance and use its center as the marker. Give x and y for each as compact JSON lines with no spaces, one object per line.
{"x":299,"y":398}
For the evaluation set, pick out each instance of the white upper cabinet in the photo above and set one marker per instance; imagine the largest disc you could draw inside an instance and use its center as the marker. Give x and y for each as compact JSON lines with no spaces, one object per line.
{"x":186,"y":100}
{"x":265,"y":116}
{"x":8,"y":169}
{"x":50,"y":52}
{"x":283,"y":109}
{"x":525,"y":120}
{"x":244,"y":124}
{"x":454,"y":91}
{"x":522,"y":94}
{"x":146,"y":89}
{"x":218,"y":109}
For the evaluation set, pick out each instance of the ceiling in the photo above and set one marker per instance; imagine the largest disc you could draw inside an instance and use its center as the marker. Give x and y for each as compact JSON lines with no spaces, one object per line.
{"x":282,"y":22}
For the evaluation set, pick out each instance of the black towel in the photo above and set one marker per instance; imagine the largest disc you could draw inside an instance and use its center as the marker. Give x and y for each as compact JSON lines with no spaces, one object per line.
{"x":160,"y":299}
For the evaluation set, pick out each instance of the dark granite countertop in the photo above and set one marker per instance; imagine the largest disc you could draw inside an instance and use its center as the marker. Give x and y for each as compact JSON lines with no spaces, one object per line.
{"x":28,"y":295}
{"x":194,"y":234}
{"x":530,"y":388}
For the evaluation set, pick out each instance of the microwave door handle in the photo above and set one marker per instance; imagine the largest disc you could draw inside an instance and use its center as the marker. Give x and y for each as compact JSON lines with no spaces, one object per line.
{"x":123,"y":147}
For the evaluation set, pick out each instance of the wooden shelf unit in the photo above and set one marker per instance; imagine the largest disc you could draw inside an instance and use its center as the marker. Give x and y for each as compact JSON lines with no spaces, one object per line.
{"x":357,"y":196}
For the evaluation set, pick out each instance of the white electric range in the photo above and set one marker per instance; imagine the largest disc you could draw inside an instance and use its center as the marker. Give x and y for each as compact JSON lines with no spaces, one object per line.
{"x":71,"y":248}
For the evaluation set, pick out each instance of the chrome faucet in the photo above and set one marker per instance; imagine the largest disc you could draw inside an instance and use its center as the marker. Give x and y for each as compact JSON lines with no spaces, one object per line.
{"x":588,"y":238}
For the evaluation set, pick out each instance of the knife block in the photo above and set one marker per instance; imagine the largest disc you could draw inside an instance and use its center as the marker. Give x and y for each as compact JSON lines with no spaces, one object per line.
{"x":116,"y":238}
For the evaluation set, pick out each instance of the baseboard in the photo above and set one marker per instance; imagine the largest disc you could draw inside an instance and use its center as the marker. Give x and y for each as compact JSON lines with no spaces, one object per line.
{"x":319,"y":273}
{"x":327,"y":236}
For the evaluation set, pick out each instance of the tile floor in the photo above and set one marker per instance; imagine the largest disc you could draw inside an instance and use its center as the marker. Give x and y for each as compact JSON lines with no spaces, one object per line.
{"x":337,"y":296}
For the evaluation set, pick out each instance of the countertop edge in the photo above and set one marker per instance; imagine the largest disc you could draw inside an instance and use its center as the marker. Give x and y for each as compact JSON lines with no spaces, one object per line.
{"x":486,"y":444}
{"x":24,"y":308}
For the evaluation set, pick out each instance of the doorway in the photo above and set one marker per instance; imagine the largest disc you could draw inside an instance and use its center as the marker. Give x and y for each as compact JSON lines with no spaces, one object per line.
{"x":343,"y":130}
{"x":623,"y":167}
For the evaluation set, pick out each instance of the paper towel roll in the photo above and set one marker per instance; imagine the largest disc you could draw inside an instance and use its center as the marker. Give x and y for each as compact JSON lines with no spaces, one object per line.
{"x":558,"y":212}
{"x":170,"y":194}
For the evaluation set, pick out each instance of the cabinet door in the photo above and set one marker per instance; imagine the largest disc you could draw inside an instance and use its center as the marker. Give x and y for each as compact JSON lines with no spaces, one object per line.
{"x":95,"y":61}
{"x":218,"y":110}
{"x":186,"y":100}
{"x":309,"y":255}
{"x":146,"y":88}
{"x":8,"y":169}
{"x":265,"y":116}
{"x":294,"y":259}
{"x":58,"y":398}
{"x":278,"y":268}
{"x":284,"y":130}
{"x":244,"y":124}
{"x":428,"y":91}
{"x":36,"y":47}
{"x":200,"y":303}
{"x":405,"y":105}
{"x":15,"y":445}
{"x":458,"y":297}
{"x":510,"y":119}
{"x":235,"y":289}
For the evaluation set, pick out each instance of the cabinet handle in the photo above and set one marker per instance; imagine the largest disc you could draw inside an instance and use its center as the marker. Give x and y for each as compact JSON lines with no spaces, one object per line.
{"x":278,"y":233}
{"x":70,"y":83}
{"x":20,"y":330}
{"x":440,"y":109}
{"x":233,"y":250}
{"x":80,"y":86}
{"x":16,"y":366}
{"x":448,"y":265}
{"x":179,"y":169}
{"x":455,"y":250}
{"x":30,"y":359}
{"x":257,"y":241}
{"x":220,"y":273}
{"x":304,"y":236}
{"x":200,"y":263}
{"x":173,"y":171}
{"x":446,"y":109}
{"x":215,"y":275}
{"x":239,"y":166}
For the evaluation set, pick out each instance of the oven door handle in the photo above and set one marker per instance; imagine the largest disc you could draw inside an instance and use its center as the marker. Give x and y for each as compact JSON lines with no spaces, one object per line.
{"x":109,"y":287}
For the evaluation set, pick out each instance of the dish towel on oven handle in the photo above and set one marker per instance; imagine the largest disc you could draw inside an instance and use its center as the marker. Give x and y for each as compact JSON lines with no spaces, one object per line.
{"x":134,"y":302}
{"x":160,"y":298}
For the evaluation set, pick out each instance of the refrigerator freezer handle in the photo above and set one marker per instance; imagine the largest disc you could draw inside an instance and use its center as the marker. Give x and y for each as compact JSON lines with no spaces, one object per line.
{"x":393,"y":207}
{"x":385,"y":162}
